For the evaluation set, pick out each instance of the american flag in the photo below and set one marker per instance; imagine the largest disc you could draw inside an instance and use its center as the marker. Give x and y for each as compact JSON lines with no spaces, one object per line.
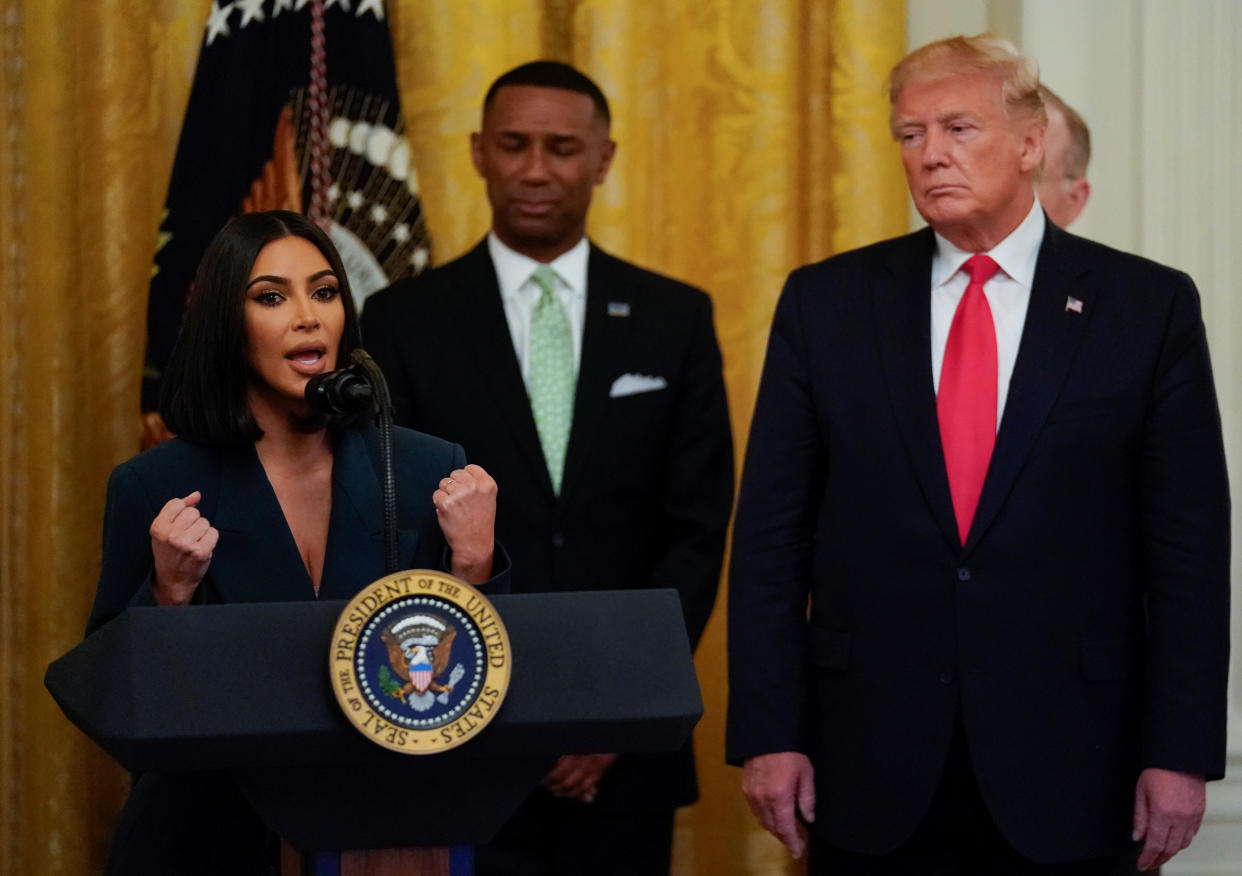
{"x":1073,"y":304}
{"x":246,"y":145}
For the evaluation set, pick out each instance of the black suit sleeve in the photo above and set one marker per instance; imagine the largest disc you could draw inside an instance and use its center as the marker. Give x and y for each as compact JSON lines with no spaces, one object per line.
{"x":126,"y":567}
{"x":773,"y":544}
{"x":1185,"y":519}
{"x":697,"y":482}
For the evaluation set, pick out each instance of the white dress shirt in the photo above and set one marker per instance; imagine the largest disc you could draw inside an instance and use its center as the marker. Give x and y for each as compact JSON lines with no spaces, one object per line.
{"x":1008,"y":294}
{"x":520,"y":294}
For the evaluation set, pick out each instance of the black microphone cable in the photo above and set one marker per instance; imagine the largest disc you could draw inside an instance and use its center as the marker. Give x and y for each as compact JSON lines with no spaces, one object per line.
{"x":352,"y":390}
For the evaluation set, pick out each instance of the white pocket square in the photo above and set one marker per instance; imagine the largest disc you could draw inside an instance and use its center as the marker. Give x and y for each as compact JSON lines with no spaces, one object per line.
{"x":632,"y":384}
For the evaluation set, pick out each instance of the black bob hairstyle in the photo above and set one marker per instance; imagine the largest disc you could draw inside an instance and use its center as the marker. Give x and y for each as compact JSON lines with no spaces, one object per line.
{"x":203,"y":394}
{"x":551,"y":74}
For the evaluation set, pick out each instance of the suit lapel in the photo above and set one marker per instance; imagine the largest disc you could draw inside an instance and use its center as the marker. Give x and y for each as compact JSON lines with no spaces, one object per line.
{"x":603,"y":341}
{"x":477,"y":302}
{"x":1050,"y":338}
{"x":903,"y":313}
{"x":256,"y":559}
{"x":355,"y":549}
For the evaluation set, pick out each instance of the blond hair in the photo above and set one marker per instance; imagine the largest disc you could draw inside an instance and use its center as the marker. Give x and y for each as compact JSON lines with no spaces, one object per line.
{"x":966,"y":55}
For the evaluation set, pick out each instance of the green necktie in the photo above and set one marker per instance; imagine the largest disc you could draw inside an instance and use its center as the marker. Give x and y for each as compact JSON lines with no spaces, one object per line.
{"x":552,"y":378}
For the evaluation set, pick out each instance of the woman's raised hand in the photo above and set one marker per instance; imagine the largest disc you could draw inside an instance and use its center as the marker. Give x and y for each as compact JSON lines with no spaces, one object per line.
{"x":181,"y":541}
{"x":466,"y":508}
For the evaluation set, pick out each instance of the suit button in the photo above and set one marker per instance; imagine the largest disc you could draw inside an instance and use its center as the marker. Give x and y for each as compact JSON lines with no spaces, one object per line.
{"x":946,"y":675}
{"x":558,"y":540}
{"x":963,"y":573}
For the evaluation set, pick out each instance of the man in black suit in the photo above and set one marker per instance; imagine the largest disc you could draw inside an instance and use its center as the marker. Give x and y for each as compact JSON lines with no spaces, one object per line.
{"x":592,"y":391}
{"x":987,"y":457}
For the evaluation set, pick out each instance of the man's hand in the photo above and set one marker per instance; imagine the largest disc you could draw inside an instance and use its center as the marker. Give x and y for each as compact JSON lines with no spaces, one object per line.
{"x":181,"y":544}
{"x":1168,"y":809}
{"x":773,"y":783}
{"x":466,"y":508}
{"x":153,"y":430}
{"x":577,"y":776}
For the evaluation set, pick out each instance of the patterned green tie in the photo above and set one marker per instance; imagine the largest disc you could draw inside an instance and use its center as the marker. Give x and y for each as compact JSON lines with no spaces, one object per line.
{"x":552,"y":378}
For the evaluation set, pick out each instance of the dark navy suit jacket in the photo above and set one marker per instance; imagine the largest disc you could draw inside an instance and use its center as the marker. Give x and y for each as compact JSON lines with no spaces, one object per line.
{"x":1082,"y":631}
{"x":256,"y":559}
{"x":648,"y":482}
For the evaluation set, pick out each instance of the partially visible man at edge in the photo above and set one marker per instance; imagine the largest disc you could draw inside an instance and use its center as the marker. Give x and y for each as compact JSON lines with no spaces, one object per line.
{"x":1062,"y":185}
{"x":597,"y":394}
{"x":989,"y":455}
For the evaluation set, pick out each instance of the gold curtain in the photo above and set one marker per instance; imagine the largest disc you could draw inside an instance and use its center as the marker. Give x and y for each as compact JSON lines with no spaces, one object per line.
{"x":753,"y":138}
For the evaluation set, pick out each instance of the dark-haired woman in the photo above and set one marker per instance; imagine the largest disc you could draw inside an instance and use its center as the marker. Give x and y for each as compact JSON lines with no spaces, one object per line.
{"x":260,"y":500}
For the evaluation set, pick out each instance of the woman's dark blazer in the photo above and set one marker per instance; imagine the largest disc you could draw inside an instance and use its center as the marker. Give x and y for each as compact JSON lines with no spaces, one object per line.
{"x":256,"y":559}
{"x":200,"y":821}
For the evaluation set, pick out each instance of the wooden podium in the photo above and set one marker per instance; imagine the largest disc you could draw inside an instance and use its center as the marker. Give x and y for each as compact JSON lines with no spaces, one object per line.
{"x":244,"y":688}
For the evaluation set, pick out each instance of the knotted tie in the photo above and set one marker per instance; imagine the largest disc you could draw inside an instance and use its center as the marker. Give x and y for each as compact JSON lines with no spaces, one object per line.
{"x":966,"y":402}
{"x":552,"y":378}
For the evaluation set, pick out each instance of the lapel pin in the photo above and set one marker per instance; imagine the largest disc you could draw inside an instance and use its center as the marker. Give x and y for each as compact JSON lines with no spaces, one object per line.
{"x":618,"y":308}
{"x":1072,"y":304}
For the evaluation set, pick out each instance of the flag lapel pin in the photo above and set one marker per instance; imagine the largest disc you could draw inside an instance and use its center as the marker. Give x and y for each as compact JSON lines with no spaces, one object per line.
{"x":1072,"y":304}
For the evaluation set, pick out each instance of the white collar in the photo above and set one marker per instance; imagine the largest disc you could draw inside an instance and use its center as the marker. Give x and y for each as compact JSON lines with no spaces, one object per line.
{"x":513,"y":269}
{"x":1016,"y":254}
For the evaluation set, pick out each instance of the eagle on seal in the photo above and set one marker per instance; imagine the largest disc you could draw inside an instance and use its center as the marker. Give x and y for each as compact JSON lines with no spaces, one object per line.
{"x":419,"y":649}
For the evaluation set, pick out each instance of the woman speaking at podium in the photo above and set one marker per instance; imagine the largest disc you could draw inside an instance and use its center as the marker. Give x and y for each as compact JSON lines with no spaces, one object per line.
{"x":259,"y":499}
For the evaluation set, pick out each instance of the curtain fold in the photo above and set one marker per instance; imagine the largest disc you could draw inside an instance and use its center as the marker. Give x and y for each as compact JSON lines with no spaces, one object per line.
{"x":752,"y":138}
{"x":92,"y":97}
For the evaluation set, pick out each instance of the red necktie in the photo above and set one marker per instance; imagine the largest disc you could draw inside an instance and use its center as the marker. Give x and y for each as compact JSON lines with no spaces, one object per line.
{"x":966,"y":402}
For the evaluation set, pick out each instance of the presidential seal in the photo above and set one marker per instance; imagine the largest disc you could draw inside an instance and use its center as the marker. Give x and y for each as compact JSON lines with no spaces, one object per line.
{"x":420,"y":661}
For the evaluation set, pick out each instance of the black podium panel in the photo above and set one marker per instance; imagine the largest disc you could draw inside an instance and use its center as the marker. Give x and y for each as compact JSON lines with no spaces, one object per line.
{"x":436,"y":801}
{"x":246,"y":688}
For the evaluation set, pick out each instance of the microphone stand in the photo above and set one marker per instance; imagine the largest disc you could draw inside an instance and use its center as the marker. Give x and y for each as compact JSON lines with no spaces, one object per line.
{"x":457,"y":859}
{"x":384,"y":423}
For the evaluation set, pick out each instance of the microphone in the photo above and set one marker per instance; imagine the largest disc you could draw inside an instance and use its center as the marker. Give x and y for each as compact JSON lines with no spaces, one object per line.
{"x":358,"y":388}
{"x":345,"y":391}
